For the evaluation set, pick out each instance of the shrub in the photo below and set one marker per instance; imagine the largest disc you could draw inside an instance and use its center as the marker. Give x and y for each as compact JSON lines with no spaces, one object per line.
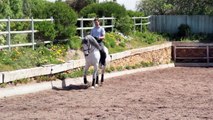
{"x":135,"y":13}
{"x":64,"y":18}
{"x":124,"y":25}
{"x":110,"y":41}
{"x":2,"y":40}
{"x":46,"y":31}
{"x":184,"y":30}
{"x":75,"y":43}
{"x":106,"y":9}
{"x":19,"y":38}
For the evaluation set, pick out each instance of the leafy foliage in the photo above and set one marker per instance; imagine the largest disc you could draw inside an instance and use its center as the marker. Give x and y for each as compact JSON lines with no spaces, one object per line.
{"x":77,"y":5}
{"x":20,"y":58}
{"x":184,"y":30}
{"x":106,"y":9}
{"x":12,"y":8}
{"x":131,"y":13}
{"x":46,"y":31}
{"x":180,"y":7}
{"x":124,"y":25}
{"x":64,"y":19}
{"x":74,"y":43}
{"x":35,"y":8}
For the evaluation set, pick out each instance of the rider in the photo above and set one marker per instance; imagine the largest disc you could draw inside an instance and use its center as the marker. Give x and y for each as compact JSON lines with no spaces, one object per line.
{"x":98,"y":33}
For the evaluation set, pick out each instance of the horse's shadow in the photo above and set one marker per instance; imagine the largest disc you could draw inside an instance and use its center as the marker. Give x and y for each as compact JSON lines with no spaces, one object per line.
{"x":69,"y":87}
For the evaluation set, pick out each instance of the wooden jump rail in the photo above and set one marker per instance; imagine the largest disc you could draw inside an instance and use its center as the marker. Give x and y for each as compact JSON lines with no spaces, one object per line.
{"x":196,"y":54}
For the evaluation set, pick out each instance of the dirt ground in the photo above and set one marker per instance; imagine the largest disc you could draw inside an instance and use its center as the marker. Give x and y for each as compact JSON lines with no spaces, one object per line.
{"x":168,"y":94}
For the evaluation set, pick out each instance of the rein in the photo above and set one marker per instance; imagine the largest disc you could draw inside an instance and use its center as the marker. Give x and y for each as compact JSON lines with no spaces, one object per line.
{"x":90,"y":50}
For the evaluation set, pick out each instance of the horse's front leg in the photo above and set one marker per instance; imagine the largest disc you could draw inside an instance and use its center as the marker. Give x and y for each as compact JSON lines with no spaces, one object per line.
{"x":85,"y":73}
{"x":95,"y":73}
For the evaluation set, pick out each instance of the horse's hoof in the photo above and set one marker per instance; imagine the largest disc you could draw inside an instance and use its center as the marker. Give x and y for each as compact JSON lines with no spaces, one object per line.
{"x":96,"y":85}
{"x":92,"y":87}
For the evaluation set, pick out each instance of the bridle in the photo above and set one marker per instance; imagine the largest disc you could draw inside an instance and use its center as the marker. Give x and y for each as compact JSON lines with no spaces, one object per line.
{"x":89,"y":47}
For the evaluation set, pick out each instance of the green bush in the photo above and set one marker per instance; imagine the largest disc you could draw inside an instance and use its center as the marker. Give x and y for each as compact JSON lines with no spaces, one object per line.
{"x":110,"y":41}
{"x":75,"y":42}
{"x":184,"y":30}
{"x":148,"y":37}
{"x":64,"y":18}
{"x":135,"y":13}
{"x":46,"y":31}
{"x":19,"y":58}
{"x":124,"y":25}
{"x":106,"y":9}
{"x":19,"y":38}
{"x":2,"y":40}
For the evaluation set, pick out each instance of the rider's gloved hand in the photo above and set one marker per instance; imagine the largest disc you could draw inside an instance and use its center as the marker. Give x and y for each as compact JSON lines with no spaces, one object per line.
{"x":96,"y":38}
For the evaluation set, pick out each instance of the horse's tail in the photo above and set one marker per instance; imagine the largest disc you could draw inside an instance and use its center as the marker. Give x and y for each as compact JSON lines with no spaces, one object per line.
{"x":108,"y":57}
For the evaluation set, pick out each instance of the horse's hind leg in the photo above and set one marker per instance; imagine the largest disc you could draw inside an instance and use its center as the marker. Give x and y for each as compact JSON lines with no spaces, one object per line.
{"x":97,"y":78}
{"x":102,"y":74}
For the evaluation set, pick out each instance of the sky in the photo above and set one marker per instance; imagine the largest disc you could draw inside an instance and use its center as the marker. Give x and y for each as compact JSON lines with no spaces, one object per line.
{"x":129,"y":4}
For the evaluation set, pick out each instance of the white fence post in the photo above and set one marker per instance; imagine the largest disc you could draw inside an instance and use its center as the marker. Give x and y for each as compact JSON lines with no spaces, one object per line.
{"x":32,"y":37}
{"x":141,"y":24}
{"x":112,"y":22}
{"x":82,"y":26}
{"x":134,"y":23}
{"x":103,"y":21}
{"x":52,"y":19}
{"x":8,"y":34}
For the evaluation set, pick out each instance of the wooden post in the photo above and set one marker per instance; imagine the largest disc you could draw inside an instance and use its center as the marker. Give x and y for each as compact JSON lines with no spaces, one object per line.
{"x":32,"y":36}
{"x":174,"y":53}
{"x":207,"y":54}
{"x":8,"y":35}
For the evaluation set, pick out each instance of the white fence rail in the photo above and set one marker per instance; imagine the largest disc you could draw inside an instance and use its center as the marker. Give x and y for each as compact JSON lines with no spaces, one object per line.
{"x":32,"y":31}
{"x":82,"y":20}
{"x":140,"y":23}
{"x":82,"y":28}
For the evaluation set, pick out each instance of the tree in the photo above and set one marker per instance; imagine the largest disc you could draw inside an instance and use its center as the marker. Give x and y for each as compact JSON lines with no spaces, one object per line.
{"x":27,"y":8}
{"x":12,"y":8}
{"x":65,"y":19}
{"x":187,"y":7}
{"x":106,"y":9}
{"x":156,"y":7}
{"x":77,"y":5}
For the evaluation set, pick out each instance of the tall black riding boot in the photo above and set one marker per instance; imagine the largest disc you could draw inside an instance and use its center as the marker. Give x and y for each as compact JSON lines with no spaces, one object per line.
{"x":103,"y":57}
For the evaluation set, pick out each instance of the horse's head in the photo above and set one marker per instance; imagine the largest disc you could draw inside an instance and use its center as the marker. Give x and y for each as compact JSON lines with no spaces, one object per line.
{"x":86,"y":46}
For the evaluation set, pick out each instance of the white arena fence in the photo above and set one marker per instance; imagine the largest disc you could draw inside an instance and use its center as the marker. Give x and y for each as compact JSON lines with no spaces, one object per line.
{"x":82,"y":28}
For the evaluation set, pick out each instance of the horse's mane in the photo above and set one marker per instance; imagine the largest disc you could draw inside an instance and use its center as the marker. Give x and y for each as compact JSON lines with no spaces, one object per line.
{"x":91,"y":40}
